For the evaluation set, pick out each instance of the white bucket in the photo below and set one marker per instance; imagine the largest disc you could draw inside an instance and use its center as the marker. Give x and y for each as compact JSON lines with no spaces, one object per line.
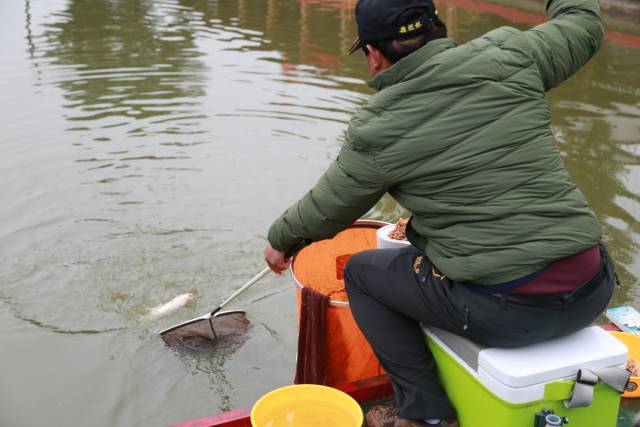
{"x":386,"y":242}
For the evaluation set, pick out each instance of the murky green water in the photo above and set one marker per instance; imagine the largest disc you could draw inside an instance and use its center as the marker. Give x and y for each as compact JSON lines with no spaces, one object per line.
{"x":147,"y":146}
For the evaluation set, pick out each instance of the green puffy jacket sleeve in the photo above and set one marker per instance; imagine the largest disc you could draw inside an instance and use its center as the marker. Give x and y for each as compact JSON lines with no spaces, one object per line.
{"x":566,"y":42}
{"x":346,"y":191}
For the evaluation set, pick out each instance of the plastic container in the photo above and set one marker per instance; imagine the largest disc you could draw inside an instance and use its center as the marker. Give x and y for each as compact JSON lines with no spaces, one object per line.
{"x":384,"y":241}
{"x":306,"y":405}
{"x":349,"y":356}
{"x":632,"y":342}
{"x":508,"y":387}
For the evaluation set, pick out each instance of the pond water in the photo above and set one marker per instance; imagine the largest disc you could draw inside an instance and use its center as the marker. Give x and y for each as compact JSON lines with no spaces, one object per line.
{"x":147,"y":146}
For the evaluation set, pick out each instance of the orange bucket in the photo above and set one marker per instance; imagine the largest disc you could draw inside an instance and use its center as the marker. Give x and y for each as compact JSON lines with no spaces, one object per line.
{"x":319,"y":266}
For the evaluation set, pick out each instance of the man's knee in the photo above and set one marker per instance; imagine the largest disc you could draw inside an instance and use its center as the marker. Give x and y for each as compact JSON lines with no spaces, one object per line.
{"x":366,"y":266}
{"x":353,"y":270}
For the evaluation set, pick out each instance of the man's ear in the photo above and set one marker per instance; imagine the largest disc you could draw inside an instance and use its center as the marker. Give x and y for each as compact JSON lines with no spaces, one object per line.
{"x":376,"y":60}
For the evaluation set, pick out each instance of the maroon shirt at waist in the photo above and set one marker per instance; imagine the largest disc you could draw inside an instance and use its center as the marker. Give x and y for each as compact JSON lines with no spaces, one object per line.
{"x":563,"y":275}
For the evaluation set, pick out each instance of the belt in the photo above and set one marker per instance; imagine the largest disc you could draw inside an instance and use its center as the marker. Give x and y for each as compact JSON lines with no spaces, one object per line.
{"x":558,"y":299}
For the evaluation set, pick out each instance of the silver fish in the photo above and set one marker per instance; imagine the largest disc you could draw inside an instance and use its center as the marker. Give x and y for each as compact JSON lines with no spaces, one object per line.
{"x":169,"y":307}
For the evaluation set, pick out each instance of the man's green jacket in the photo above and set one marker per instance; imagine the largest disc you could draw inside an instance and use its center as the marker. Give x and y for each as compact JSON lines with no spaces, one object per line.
{"x":460,"y":136}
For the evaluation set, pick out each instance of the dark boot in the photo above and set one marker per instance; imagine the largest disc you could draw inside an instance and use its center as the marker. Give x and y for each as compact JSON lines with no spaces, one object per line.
{"x":382,"y":416}
{"x":387,"y":416}
{"x":405,"y":422}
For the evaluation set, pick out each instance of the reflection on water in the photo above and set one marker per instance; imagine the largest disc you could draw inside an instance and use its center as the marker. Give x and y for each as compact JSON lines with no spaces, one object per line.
{"x":149,"y":143}
{"x":128,"y":71}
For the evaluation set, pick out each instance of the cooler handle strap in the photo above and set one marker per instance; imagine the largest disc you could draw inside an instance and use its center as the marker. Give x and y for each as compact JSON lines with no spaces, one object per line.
{"x":582,"y":393}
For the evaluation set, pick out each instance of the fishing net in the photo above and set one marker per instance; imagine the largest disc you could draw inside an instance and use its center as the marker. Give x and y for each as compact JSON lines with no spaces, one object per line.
{"x":207,"y":334}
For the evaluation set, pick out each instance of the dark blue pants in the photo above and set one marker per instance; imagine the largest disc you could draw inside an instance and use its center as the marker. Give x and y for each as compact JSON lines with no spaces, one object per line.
{"x":388,"y":299}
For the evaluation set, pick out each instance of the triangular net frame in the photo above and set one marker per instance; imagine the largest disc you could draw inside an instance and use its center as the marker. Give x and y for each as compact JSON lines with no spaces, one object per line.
{"x":202,"y":334}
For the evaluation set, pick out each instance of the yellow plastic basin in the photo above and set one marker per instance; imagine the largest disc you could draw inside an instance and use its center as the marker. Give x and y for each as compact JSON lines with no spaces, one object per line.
{"x":306,"y":405}
{"x":633,"y":344}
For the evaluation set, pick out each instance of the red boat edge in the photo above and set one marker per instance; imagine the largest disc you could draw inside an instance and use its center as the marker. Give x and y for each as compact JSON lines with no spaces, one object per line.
{"x":362,"y":390}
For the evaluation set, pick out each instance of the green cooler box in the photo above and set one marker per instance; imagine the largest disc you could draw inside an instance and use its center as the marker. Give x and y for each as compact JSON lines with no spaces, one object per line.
{"x":502,"y":387}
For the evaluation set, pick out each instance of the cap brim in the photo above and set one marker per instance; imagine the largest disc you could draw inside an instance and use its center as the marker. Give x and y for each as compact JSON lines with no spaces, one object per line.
{"x":355,"y":46}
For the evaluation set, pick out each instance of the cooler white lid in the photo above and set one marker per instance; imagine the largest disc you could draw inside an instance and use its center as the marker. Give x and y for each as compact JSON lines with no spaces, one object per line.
{"x":555,"y":359}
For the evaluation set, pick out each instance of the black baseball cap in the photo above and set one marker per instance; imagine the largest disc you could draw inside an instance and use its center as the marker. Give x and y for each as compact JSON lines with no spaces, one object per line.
{"x":378,"y":20}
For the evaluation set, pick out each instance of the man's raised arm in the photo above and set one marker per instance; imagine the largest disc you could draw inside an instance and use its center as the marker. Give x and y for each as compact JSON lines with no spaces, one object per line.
{"x":567,"y":41}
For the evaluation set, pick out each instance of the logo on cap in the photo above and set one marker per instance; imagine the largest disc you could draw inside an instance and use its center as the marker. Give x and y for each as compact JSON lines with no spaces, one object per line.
{"x":411,"y":27}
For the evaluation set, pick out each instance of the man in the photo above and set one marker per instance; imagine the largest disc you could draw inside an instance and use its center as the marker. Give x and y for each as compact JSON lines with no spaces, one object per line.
{"x":504,"y":248}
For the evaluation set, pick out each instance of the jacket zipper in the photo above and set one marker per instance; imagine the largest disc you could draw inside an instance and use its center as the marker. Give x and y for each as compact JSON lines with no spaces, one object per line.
{"x":466,"y":318}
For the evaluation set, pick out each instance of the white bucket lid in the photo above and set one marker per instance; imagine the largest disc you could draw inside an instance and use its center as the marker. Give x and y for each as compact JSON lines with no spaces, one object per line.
{"x":555,"y":359}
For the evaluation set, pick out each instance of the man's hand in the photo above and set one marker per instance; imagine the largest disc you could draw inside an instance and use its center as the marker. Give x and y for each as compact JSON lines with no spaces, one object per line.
{"x":275,"y":259}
